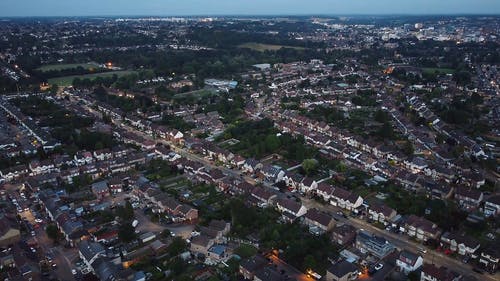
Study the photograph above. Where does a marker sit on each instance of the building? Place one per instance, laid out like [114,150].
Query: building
[432,273]
[342,271]
[318,222]
[490,258]
[378,246]
[468,198]
[291,207]
[90,251]
[408,261]
[250,266]
[381,213]
[343,234]
[461,244]
[420,228]
[100,189]
[492,206]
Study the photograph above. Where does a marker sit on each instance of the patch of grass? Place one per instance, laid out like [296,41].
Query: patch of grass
[267,47]
[52,67]
[68,80]
[432,70]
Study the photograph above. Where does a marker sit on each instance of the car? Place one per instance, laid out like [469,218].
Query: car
[33,233]
[379,266]
[422,250]
[73,271]
[33,249]
[38,220]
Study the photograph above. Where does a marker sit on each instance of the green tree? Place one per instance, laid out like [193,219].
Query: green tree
[408,148]
[52,232]
[272,143]
[177,247]
[125,212]
[309,165]
[126,232]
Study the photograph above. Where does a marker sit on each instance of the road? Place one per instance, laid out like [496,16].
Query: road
[400,241]
[63,257]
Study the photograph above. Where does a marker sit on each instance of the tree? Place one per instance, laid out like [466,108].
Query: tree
[177,247]
[309,165]
[126,232]
[272,142]
[413,276]
[52,232]
[408,148]
[126,212]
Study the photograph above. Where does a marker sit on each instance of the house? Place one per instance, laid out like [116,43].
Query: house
[308,185]
[345,199]
[272,173]
[12,173]
[90,251]
[432,273]
[41,167]
[100,189]
[268,274]
[250,266]
[291,207]
[251,166]
[462,244]
[408,261]
[82,158]
[343,234]
[242,188]
[263,197]
[468,198]
[342,271]
[103,154]
[490,257]
[492,206]
[325,191]
[201,244]
[381,213]
[420,228]
[318,222]
[378,246]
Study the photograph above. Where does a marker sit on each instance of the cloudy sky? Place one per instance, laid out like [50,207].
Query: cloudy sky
[243,7]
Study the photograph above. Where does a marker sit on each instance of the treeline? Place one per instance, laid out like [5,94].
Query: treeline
[68,72]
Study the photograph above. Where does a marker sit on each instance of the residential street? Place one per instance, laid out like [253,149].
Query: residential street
[399,240]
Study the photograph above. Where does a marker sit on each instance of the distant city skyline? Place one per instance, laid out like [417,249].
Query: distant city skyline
[26,8]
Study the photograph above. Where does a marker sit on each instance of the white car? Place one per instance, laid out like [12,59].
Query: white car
[379,266]
[73,271]
[33,250]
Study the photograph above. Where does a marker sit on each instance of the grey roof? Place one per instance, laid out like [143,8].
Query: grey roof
[342,268]
[90,249]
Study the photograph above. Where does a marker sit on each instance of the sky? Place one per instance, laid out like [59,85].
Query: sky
[16,8]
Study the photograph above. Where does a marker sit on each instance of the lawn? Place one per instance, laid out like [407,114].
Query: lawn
[68,80]
[267,47]
[52,67]
[432,70]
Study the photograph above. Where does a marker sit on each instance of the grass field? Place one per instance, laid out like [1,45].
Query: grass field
[432,70]
[267,47]
[51,67]
[68,80]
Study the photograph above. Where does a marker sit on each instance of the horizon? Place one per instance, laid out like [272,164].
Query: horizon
[220,8]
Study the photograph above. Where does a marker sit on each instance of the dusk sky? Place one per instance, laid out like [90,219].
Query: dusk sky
[243,7]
